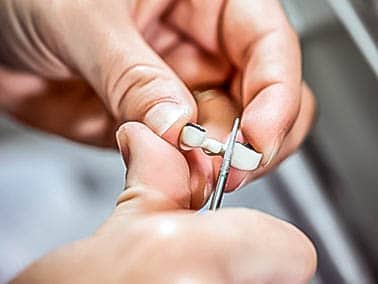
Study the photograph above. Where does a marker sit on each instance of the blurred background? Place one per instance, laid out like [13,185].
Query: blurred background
[53,191]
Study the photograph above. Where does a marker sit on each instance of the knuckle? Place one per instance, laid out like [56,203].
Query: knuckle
[138,88]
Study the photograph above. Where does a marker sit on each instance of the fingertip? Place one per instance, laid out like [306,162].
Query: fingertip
[172,134]
[154,168]
[268,147]
[136,138]
[267,119]
[166,116]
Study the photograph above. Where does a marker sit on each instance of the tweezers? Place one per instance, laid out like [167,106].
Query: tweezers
[216,200]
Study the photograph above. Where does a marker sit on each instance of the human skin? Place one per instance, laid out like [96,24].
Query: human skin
[81,68]
[153,236]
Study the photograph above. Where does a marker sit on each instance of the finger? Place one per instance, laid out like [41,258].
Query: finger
[296,135]
[201,177]
[243,246]
[263,249]
[302,125]
[157,173]
[268,55]
[199,21]
[132,80]
[161,37]
[67,108]
[196,67]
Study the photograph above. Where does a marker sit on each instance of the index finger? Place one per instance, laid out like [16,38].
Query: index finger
[261,43]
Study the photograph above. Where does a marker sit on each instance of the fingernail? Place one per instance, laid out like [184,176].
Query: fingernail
[162,116]
[273,150]
[121,138]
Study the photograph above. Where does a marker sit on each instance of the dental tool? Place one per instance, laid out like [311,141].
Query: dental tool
[216,200]
[235,154]
[195,136]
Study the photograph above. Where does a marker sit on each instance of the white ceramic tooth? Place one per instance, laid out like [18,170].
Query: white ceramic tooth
[213,146]
[192,136]
[244,158]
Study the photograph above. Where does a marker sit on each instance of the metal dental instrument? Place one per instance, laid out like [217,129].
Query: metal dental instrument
[216,200]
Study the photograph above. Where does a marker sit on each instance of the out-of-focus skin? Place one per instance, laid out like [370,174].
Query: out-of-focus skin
[81,68]
[153,236]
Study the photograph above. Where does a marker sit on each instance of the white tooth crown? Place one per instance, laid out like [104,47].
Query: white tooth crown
[194,136]
[243,158]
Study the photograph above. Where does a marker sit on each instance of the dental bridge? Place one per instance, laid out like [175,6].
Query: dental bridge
[239,156]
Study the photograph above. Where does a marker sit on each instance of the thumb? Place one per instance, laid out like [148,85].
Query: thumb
[133,81]
[157,173]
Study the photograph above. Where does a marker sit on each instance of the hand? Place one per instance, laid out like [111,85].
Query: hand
[137,55]
[154,237]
